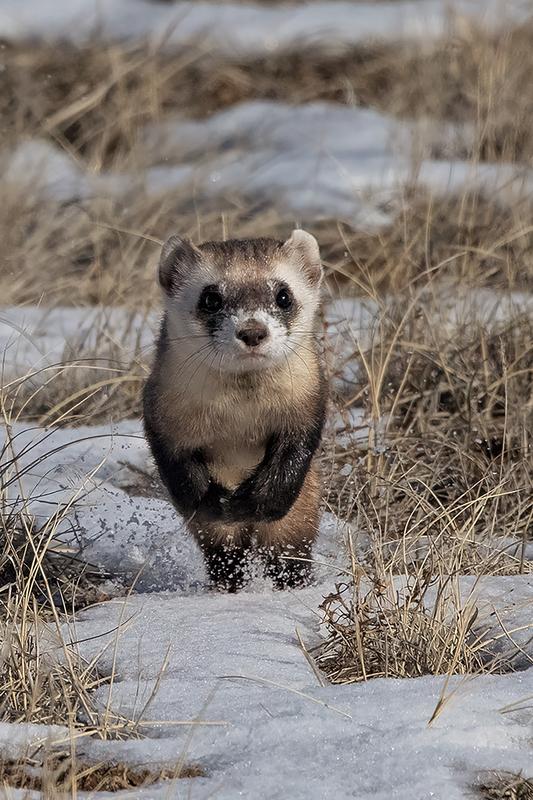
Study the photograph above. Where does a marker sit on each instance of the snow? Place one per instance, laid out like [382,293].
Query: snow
[183,654]
[246,29]
[131,535]
[26,734]
[236,660]
[316,160]
[36,339]
[276,744]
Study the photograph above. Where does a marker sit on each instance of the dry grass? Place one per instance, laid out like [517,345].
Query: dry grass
[472,77]
[441,487]
[93,101]
[466,240]
[41,679]
[373,629]
[105,252]
[506,786]
[64,774]
[98,378]
[446,474]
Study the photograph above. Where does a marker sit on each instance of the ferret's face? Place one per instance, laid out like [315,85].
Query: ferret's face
[240,308]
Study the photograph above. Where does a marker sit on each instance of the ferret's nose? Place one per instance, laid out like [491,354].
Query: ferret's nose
[252,333]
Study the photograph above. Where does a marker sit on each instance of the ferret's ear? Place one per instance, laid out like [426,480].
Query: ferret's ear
[302,250]
[178,258]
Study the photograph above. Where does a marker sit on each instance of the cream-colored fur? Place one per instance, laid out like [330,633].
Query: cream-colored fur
[229,415]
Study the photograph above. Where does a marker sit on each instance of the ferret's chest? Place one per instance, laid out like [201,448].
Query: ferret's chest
[237,435]
[230,464]
[230,424]
[231,435]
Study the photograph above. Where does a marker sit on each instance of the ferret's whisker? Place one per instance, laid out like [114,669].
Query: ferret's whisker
[290,375]
[193,355]
[198,368]
[297,354]
[187,338]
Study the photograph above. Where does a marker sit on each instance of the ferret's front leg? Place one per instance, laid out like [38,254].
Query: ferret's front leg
[226,550]
[286,544]
[187,479]
[272,489]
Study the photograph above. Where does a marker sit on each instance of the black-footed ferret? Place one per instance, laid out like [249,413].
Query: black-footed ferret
[235,404]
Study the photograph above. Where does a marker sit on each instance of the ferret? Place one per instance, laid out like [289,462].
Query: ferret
[234,406]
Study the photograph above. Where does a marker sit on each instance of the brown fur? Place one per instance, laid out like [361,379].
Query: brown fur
[286,544]
[230,416]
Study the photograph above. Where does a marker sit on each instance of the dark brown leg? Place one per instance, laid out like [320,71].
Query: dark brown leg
[286,545]
[226,551]
[289,567]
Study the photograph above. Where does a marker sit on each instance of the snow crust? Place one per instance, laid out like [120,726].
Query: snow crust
[237,660]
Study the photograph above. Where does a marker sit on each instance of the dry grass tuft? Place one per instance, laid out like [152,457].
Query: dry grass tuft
[63,774]
[37,560]
[75,254]
[43,581]
[374,629]
[506,786]
[41,679]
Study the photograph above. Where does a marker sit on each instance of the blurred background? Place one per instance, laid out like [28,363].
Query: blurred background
[400,133]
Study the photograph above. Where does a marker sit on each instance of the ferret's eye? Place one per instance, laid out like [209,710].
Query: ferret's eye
[284,299]
[210,300]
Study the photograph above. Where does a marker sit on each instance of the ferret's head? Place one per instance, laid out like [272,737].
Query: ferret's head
[245,305]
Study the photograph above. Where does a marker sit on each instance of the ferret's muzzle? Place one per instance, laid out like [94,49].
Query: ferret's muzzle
[252,333]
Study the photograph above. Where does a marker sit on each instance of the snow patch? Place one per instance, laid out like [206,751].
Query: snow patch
[317,160]
[243,29]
